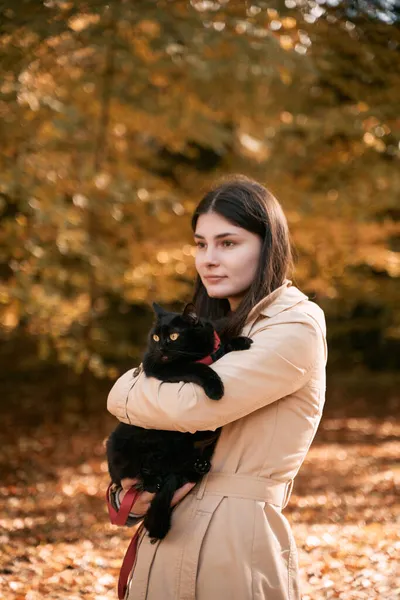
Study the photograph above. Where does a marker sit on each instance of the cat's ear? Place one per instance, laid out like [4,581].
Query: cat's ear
[190,312]
[159,309]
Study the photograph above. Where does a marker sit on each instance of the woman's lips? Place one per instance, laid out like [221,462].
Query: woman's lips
[213,279]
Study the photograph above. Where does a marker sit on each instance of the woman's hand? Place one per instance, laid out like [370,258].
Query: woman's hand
[142,503]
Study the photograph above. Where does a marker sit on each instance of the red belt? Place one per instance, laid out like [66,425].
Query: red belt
[119,517]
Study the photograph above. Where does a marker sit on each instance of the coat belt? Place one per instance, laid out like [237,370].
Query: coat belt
[263,489]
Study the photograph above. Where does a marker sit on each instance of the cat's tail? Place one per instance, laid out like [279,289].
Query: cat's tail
[158,518]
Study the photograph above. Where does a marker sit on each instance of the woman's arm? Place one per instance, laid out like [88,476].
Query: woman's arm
[279,362]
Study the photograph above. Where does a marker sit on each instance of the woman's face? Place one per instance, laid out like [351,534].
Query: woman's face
[233,257]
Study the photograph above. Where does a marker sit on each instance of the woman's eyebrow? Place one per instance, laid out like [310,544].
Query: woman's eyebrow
[220,235]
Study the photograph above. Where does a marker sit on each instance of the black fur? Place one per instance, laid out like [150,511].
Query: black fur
[166,460]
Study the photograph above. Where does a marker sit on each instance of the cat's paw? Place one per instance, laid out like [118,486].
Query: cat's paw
[201,465]
[214,388]
[240,343]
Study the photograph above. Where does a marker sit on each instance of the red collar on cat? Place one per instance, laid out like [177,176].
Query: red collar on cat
[208,360]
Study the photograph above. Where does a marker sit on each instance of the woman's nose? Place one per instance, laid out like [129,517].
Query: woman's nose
[210,256]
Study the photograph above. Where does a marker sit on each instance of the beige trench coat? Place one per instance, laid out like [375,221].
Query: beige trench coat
[229,539]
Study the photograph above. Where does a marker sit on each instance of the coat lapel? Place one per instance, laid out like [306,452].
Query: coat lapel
[284,297]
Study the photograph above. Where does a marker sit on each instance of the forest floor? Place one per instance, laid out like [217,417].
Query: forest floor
[56,541]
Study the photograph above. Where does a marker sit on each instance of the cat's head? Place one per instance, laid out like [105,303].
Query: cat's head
[180,336]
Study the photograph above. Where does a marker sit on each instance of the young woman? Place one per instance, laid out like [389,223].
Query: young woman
[229,538]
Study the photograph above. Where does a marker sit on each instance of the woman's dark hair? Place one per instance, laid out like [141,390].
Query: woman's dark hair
[247,204]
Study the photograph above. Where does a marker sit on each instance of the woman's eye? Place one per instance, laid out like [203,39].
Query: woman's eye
[174,336]
[156,338]
[201,244]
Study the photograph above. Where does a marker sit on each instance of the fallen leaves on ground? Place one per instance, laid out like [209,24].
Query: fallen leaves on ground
[344,511]
[56,541]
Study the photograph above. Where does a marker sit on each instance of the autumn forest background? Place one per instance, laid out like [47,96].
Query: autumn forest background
[115,118]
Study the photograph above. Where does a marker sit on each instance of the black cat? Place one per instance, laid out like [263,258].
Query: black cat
[166,460]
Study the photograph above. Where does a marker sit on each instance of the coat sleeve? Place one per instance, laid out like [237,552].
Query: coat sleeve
[279,362]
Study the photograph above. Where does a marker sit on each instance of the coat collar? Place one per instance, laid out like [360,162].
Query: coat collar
[285,296]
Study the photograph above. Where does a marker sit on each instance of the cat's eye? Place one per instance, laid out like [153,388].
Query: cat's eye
[156,338]
[174,336]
